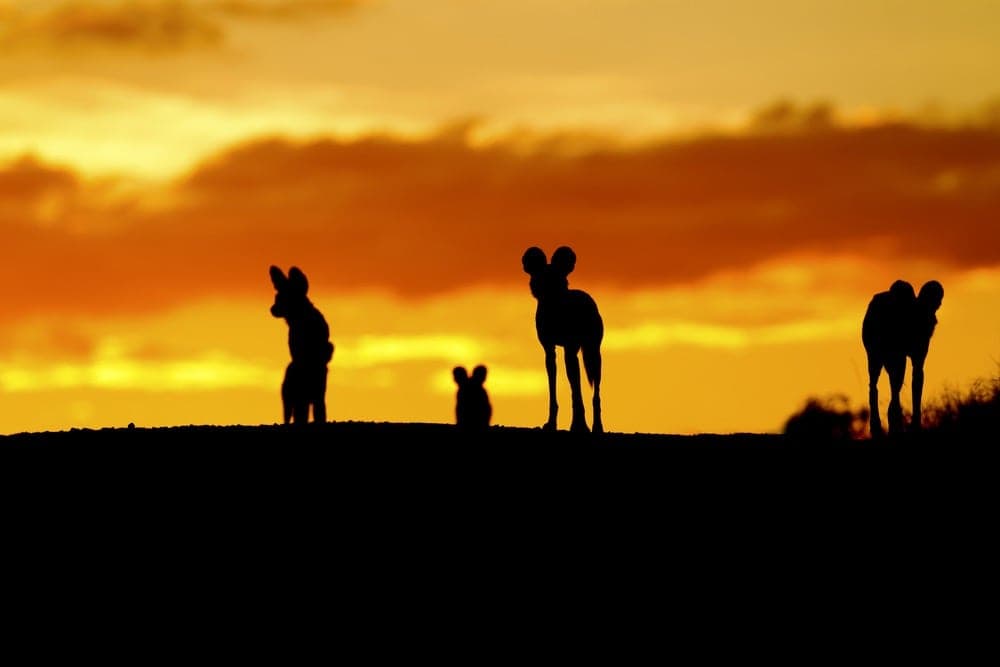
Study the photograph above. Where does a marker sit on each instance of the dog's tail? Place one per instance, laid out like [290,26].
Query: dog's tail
[592,363]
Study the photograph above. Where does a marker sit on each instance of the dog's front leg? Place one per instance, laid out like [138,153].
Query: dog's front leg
[550,369]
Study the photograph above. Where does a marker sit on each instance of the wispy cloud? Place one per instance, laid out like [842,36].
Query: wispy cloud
[113,371]
[284,9]
[152,25]
[681,333]
[501,382]
[370,351]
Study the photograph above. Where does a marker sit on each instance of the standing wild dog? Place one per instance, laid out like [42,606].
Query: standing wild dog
[898,325]
[566,318]
[472,404]
[309,343]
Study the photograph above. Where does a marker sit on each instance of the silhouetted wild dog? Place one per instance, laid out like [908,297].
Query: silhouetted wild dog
[309,343]
[899,324]
[472,404]
[566,318]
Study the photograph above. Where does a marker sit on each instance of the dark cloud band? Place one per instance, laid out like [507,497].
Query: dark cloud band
[425,217]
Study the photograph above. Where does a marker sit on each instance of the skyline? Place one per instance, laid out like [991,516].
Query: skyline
[736,185]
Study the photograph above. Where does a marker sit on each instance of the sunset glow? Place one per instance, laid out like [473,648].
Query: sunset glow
[737,180]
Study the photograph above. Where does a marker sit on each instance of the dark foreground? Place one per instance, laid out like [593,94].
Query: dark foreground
[364,462]
[390,518]
[390,486]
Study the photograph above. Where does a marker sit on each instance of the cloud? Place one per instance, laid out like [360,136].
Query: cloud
[120,373]
[26,182]
[152,25]
[420,218]
[676,332]
[284,9]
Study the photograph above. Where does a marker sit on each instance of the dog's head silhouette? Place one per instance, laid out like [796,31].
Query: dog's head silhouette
[548,279]
[472,404]
[309,344]
[930,297]
[290,298]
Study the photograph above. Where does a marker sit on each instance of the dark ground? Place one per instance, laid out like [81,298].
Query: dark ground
[386,525]
[364,462]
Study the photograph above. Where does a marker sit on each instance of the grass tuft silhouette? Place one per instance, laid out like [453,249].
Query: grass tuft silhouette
[975,411]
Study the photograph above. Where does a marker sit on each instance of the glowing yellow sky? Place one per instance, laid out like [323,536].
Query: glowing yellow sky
[157,156]
[152,86]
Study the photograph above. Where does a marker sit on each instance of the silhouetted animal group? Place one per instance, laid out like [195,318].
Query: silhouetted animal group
[898,324]
[563,318]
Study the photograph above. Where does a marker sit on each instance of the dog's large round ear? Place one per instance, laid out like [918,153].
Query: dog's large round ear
[297,280]
[479,374]
[932,293]
[533,260]
[460,374]
[564,260]
[278,278]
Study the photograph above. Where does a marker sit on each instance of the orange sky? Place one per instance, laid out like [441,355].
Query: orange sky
[156,157]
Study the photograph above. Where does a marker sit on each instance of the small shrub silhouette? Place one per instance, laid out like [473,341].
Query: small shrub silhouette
[472,404]
[827,419]
[976,411]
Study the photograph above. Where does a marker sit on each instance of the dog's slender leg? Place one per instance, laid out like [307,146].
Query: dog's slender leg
[897,373]
[300,411]
[286,395]
[874,420]
[579,422]
[550,369]
[592,364]
[319,406]
[598,424]
[918,391]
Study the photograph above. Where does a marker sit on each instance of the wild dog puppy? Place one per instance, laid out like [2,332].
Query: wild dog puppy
[472,404]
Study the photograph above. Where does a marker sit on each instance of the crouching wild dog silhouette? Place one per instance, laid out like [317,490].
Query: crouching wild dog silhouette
[569,319]
[472,404]
[309,343]
[898,325]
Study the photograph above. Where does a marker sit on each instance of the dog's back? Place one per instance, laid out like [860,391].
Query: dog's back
[888,322]
[309,337]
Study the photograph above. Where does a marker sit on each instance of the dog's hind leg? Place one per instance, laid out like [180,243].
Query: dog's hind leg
[286,395]
[896,367]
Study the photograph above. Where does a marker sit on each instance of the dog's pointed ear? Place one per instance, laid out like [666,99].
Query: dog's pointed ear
[533,260]
[460,374]
[564,260]
[278,278]
[297,280]
[479,374]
